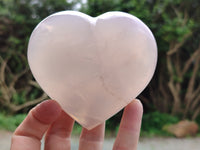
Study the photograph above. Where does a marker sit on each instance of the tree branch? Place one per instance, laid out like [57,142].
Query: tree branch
[190,89]
[16,77]
[195,102]
[178,45]
[2,69]
[196,113]
[189,62]
[196,92]
[176,106]
[192,79]
[3,86]
[35,84]
[16,108]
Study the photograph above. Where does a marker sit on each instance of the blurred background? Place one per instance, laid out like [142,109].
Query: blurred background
[171,98]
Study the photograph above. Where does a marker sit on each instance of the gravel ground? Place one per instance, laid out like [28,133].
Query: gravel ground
[144,144]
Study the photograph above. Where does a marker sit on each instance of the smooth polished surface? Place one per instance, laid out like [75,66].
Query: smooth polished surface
[92,66]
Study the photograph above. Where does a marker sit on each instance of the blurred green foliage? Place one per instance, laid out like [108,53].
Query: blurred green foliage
[77,129]
[10,123]
[153,123]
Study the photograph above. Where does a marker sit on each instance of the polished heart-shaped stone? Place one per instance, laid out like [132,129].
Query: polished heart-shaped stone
[92,66]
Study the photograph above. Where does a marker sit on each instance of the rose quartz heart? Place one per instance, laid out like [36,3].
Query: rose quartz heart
[92,66]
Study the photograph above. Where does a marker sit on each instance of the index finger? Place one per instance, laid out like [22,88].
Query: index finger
[30,132]
[129,130]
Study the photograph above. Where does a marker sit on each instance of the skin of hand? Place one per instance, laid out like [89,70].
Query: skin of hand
[48,117]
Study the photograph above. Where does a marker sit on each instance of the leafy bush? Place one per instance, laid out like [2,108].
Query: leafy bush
[10,123]
[76,129]
[152,123]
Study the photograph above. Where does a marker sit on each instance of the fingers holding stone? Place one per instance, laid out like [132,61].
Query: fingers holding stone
[58,135]
[32,129]
[129,130]
[92,139]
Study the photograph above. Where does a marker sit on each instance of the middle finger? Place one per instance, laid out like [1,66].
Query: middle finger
[58,135]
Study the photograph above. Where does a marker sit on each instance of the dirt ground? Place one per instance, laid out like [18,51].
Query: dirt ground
[144,143]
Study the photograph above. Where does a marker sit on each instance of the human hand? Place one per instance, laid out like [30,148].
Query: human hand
[48,117]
